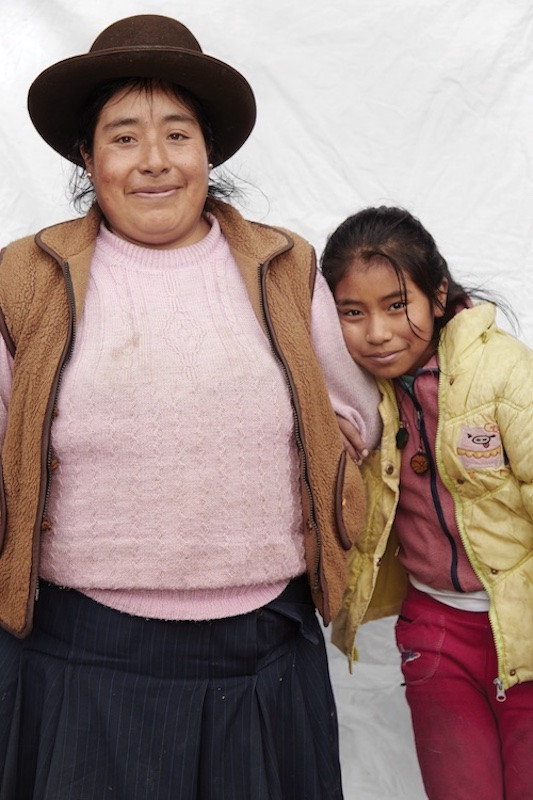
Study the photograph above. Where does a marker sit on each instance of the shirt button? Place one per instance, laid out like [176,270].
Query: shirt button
[389,469]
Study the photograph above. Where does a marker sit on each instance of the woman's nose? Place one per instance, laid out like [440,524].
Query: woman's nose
[154,158]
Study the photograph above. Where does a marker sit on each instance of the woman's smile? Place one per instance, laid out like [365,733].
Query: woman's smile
[155,191]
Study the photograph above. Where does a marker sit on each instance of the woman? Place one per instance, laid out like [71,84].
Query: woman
[172,465]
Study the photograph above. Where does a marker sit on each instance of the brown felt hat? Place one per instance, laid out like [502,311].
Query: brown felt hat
[144,46]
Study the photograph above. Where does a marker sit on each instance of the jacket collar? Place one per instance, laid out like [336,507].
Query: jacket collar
[468,327]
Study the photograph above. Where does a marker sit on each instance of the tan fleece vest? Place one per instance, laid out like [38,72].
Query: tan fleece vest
[42,290]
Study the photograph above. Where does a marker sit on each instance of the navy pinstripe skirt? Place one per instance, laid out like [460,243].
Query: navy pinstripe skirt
[98,704]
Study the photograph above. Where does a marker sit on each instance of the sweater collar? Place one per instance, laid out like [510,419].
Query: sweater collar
[257,242]
[121,251]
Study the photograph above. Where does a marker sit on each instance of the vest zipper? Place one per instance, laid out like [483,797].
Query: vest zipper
[315,582]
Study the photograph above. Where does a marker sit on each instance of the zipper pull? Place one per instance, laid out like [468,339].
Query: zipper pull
[500,691]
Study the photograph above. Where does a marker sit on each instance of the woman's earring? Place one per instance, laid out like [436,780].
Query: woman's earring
[90,176]
[210,166]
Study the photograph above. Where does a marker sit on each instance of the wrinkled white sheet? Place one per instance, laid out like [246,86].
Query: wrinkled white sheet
[418,103]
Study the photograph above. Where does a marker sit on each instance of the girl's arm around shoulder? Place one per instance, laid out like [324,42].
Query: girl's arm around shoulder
[353,392]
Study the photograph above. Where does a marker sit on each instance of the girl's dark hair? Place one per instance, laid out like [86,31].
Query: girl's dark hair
[396,235]
[81,189]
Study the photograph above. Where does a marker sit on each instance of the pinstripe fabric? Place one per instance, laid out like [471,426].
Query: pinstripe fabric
[109,705]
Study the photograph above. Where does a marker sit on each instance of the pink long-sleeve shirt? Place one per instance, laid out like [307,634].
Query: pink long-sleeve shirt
[177,492]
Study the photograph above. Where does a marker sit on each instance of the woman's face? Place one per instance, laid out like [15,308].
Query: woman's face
[150,169]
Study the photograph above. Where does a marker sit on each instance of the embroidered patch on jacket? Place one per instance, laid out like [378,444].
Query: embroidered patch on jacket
[480,448]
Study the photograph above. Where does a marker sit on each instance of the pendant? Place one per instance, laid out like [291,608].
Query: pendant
[402,437]
[419,463]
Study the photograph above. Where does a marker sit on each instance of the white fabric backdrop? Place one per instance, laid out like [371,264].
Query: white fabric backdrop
[420,103]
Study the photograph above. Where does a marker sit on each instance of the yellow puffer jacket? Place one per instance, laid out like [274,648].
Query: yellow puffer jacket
[486,384]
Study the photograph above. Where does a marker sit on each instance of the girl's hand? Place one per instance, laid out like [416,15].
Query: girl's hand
[353,441]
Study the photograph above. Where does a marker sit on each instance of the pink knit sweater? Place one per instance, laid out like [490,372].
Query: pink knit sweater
[176,493]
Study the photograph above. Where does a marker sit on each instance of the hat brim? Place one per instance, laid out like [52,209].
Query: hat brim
[58,95]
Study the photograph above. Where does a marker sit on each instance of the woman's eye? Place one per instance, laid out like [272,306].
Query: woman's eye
[177,137]
[398,306]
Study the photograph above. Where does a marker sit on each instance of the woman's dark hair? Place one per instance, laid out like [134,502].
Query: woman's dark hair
[81,189]
[397,236]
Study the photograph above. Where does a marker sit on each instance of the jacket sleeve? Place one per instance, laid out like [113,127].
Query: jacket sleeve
[515,420]
[353,392]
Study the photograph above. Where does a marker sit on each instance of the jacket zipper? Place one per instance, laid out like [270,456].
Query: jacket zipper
[315,585]
[500,682]
[435,493]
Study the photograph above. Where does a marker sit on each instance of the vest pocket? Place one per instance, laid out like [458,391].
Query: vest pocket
[349,501]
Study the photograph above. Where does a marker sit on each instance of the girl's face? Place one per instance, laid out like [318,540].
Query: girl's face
[384,334]
[150,169]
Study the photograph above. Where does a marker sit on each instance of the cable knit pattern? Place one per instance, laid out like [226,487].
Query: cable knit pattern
[43,286]
[185,503]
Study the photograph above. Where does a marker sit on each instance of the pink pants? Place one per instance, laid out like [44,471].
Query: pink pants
[470,745]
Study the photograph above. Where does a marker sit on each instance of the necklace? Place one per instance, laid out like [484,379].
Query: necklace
[402,436]
[419,462]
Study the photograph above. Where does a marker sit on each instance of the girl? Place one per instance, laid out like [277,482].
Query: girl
[454,474]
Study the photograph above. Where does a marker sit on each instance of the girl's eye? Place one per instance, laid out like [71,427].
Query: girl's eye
[398,306]
[352,312]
